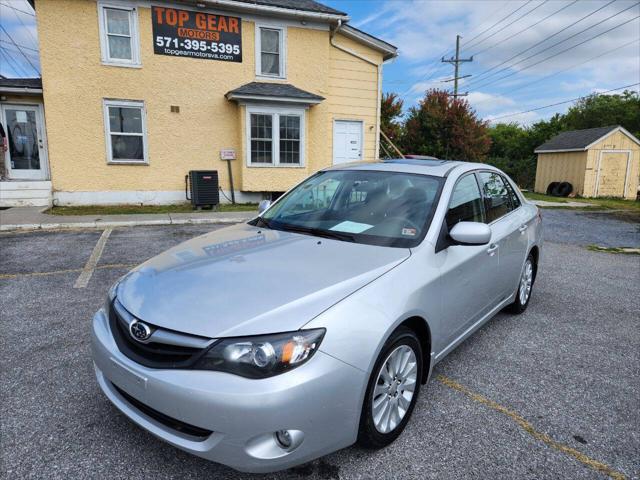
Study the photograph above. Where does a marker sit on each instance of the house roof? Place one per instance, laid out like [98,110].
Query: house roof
[579,140]
[306,5]
[275,92]
[354,33]
[20,85]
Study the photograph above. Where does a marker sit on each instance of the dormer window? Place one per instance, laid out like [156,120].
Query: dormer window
[270,51]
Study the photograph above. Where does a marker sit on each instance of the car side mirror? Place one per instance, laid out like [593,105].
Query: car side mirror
[470,233]
[263,205]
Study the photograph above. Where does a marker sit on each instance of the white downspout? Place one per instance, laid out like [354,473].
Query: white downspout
[378,82]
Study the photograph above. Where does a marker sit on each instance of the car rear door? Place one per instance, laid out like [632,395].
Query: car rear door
[508,225]
[467,272]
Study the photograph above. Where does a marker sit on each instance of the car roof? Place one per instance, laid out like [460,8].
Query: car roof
[434,167]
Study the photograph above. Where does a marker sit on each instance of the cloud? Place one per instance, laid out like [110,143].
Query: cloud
[483,101]
[425,31]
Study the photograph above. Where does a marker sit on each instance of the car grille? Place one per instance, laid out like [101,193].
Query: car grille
[165,420]
[183,351]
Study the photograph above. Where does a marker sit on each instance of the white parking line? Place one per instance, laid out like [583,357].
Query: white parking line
[87,271]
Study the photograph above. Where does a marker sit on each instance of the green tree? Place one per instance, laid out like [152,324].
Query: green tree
[445,127]
[602,110]
[390,120]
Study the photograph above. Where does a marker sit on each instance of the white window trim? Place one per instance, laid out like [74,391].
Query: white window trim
[283,50]
[275,141]
[135,61]
[107,131]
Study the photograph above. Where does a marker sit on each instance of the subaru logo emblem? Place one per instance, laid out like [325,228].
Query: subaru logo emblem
[139,331]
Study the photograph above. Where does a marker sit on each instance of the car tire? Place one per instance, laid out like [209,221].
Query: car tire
[527,279]
[377,430]
[552,186]
[564,189]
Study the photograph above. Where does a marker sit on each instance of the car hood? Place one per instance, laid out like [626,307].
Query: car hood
[243,280]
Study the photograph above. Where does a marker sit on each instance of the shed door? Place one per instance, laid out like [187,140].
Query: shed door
[613,174]
[347,141]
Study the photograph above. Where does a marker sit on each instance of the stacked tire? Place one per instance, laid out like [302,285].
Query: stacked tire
[559,189]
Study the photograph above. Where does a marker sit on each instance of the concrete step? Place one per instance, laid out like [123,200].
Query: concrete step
[36,193]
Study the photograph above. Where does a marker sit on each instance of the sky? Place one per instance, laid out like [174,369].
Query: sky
[526,53]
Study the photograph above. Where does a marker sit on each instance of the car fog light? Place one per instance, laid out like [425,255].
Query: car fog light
[284,439]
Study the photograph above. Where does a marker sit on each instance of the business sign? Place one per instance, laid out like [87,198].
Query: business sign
[184,33]
[227,154]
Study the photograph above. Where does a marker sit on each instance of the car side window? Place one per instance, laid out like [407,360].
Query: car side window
[515,200]
[466,202]
[496,195]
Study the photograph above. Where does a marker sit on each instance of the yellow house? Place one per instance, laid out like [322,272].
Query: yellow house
[139,93]
[597,162]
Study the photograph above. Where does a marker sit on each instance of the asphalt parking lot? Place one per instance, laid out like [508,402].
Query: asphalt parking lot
[554,393]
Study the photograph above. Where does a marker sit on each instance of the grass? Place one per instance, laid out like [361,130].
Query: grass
[622,250]
[598,203]
[145,209]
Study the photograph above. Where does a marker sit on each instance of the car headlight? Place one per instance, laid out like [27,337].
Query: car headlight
[111,296]
[262,356]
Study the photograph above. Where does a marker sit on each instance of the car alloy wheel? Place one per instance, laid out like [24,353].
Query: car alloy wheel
[526,282]
[394,389]
[525,285]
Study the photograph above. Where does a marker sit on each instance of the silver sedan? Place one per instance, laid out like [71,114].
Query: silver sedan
[268,344]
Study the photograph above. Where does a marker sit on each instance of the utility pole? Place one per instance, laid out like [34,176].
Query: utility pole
[456,63]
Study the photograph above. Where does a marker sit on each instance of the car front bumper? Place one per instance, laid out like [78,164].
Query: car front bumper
[322,399]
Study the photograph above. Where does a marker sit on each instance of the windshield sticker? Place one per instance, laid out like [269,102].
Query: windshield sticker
[409,232]
[351,227]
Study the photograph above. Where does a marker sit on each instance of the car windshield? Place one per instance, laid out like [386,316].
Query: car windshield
[373,207]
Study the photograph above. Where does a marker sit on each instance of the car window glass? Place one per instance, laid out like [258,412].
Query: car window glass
[314,197]
[513,196]
[466,202]
[379,208]
[496,196]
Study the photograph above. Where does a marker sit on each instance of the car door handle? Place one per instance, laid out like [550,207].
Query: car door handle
[493,248]
[523,228]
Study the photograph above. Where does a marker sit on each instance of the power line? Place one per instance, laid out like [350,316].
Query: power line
[16,45]
[17,9]
[21,45]
[32,55]
[556,54]
[537,81]
[525,29]
[565,101]
[480,75]
[26,29]
[13,63]
[498,22]
[507,26]
[436,62]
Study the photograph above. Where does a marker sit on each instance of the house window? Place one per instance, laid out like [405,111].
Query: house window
[275,137]
[261,138]
[125,131]
[119,35]
[290,139]
[270,51]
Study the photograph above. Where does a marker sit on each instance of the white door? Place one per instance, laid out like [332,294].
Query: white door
[347,141]
[26,157]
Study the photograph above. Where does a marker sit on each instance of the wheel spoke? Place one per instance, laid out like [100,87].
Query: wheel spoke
[394,389]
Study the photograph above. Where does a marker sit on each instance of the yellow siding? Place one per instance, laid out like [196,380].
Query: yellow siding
[76,82]
[353,91]
[561,167]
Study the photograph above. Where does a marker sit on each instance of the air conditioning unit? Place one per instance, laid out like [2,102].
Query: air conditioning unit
[203,186]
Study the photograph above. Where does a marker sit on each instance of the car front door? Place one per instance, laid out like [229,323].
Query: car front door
[505,217]
[467,272]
